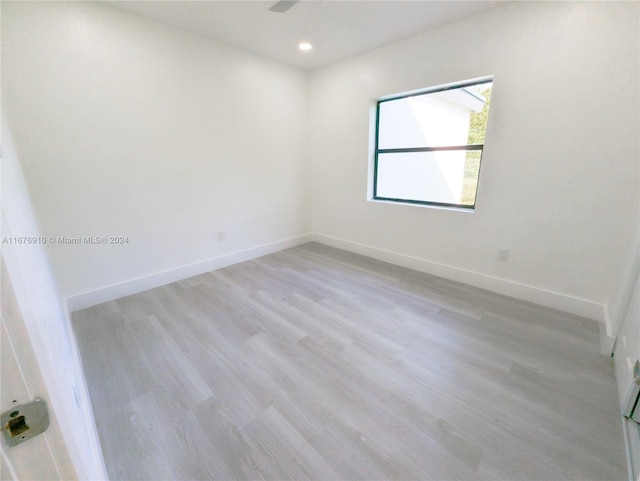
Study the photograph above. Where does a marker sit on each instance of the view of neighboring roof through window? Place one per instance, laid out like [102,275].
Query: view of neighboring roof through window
[429,145]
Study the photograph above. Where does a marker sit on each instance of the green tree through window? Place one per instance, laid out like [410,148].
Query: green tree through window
[477,129]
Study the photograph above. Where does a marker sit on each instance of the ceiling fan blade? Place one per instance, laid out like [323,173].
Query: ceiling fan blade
[282,6]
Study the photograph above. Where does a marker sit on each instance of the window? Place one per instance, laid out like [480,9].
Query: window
[429,145]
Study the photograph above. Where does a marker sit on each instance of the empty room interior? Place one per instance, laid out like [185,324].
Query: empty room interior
[320,240]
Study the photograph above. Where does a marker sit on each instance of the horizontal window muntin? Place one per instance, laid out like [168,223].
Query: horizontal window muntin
[431,149]
[432,121]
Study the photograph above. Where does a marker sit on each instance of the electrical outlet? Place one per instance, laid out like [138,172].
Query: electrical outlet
[503,254]
[220,235]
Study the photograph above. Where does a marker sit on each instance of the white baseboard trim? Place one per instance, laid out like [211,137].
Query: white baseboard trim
[133,286]
[554,300]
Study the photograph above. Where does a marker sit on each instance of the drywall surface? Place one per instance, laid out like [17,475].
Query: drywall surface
[152,138]
[39,312]
[559,176]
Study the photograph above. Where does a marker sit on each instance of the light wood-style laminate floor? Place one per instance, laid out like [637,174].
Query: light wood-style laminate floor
[314,363]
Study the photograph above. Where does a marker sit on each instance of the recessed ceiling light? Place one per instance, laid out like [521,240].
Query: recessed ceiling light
[305,46]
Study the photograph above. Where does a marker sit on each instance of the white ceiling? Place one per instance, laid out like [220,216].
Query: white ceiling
[337,29]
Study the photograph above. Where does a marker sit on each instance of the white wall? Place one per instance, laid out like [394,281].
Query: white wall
[559,178]
[127,127]
[45,321]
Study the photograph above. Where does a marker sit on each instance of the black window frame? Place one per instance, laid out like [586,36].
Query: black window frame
[431,90]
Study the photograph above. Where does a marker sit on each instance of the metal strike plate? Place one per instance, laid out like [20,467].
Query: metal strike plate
[24,421]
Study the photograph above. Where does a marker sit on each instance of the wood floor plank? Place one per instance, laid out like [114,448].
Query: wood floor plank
[316,363]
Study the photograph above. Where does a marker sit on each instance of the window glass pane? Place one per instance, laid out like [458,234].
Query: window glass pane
[449,117]
[445,177]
